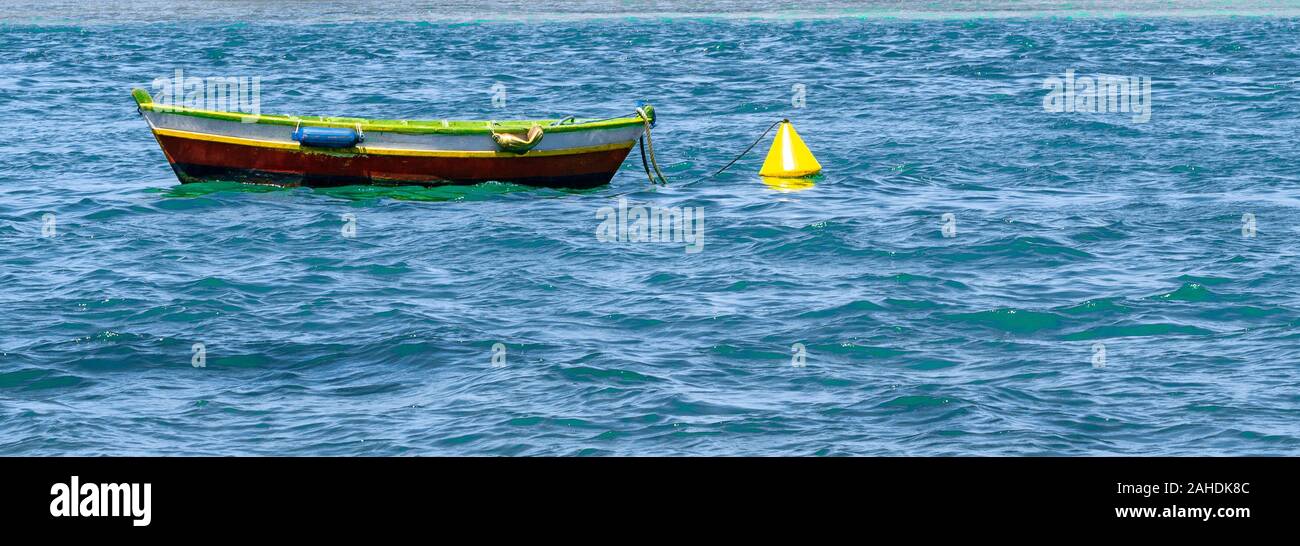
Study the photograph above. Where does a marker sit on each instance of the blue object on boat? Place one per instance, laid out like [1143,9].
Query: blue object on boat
[327,137]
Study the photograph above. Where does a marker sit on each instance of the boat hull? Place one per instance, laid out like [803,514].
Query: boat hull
[198,160]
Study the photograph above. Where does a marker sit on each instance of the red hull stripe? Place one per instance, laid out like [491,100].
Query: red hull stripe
[200,159]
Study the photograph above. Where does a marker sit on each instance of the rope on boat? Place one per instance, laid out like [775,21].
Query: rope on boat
[646,141]
[645,163]
[140,111]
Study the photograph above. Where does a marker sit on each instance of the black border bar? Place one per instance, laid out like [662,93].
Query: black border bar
[311,496]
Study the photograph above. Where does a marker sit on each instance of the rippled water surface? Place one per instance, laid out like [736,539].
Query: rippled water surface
[1075,234]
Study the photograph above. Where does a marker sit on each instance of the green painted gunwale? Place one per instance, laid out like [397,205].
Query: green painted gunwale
[442,127]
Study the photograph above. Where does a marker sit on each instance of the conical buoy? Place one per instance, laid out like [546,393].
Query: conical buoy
[789,157]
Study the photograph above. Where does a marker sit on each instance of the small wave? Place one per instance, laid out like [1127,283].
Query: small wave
[854,308]
[915,402]
[1192,291]
[1016,321]
[32,379]
[1137,330]
[590,374]
[1101,306]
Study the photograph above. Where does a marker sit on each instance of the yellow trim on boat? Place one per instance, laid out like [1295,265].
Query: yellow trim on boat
[367,150]
[457,153]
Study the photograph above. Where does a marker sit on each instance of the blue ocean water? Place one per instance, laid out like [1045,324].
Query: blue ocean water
[1077,236]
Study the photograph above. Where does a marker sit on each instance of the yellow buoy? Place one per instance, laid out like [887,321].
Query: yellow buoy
[789,157]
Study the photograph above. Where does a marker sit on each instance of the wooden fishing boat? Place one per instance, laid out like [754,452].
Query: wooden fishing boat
[330,151]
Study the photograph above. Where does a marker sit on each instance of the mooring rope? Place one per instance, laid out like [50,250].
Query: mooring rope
[742,154]
[645,163]
[646,141]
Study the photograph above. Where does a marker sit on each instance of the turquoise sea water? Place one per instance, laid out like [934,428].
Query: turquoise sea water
[1076,233]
